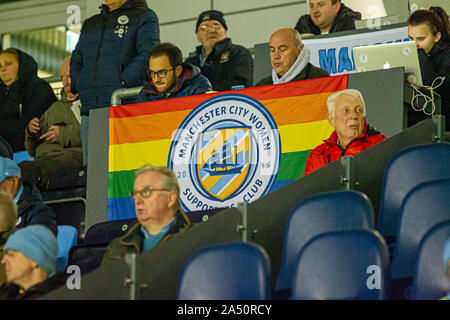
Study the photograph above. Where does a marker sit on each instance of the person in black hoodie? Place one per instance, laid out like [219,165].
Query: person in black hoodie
[431,31]
[23,96]
[169,77]
[112,53]
[327,16]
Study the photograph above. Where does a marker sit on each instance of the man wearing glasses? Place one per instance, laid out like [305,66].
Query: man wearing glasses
[225,64]
[169,77]
[156,197]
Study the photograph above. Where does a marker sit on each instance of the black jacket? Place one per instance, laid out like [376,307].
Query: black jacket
[345,20]
[22,101]
[228,65]
[309,72]
[13,292]
[33,210]
[437,64]
[113,53]
[189,83]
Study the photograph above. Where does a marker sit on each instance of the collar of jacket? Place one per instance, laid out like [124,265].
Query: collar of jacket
[29,192]
[219,47]
[183,80]
[334,137]
[135,237]
[438,48]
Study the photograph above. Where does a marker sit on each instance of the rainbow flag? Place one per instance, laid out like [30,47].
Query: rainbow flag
[143,133]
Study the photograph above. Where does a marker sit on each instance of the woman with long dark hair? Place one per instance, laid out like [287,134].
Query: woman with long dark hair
[431,31]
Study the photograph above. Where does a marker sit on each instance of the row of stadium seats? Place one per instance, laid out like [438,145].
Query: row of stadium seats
[414,201]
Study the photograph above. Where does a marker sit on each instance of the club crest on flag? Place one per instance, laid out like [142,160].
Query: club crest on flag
[223,160]
[226,151]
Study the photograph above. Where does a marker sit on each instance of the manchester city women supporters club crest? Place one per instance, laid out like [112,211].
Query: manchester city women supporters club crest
[226,151]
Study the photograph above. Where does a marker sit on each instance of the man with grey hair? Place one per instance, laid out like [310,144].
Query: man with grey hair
[8,216]
[290,59]
[156,195]
[352,135]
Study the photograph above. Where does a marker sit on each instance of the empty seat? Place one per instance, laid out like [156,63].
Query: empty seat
[70,212]
[67,238]
[344,265]
[233,271]
[425,206]
[431,281]
[406,170]
[104,232]
[87,257]
[325,212]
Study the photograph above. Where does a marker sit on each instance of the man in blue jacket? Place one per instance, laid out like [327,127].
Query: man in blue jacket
[112,53]
[169,77]
[31,207]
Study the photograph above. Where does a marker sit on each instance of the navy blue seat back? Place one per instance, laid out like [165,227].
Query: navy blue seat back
[406,170]
[233,271]
[105,232]
[325,212]
[425,206]
[343,265]
[431,281]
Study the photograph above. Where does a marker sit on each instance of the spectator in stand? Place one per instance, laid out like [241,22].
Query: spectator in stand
[290,59]
[225,64]
[54,139]
[30,263]
[23,95]
[31,208]
[327,16]
[169,77]
[156,197]
[8,216]
[112,53]
[352,135]
[431,31]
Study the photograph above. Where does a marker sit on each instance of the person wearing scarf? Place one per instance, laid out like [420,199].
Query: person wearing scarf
[290,59]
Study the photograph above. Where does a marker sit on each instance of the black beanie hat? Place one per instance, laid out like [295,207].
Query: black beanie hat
[211,15]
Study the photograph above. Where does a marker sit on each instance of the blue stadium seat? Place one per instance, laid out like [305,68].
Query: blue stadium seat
[67,238]
[406,170]
[233,271]
[425,206]
[325,212]
[430,279]
[105,232]
[343,265]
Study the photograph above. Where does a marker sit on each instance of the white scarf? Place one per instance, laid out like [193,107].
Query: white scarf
[296,68]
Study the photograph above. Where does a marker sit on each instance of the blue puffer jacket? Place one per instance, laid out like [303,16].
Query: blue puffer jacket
[189,83]
[113,52]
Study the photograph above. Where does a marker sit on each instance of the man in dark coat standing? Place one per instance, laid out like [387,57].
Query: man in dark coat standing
[169,77]
[290,59]
[225,64]
[112,53]
[327,16]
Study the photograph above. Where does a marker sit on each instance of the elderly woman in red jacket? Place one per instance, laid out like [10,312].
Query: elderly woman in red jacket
[352,134]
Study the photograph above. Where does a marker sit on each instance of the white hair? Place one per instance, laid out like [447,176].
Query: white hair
[351,92]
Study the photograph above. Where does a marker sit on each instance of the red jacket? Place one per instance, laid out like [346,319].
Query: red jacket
[330,151]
